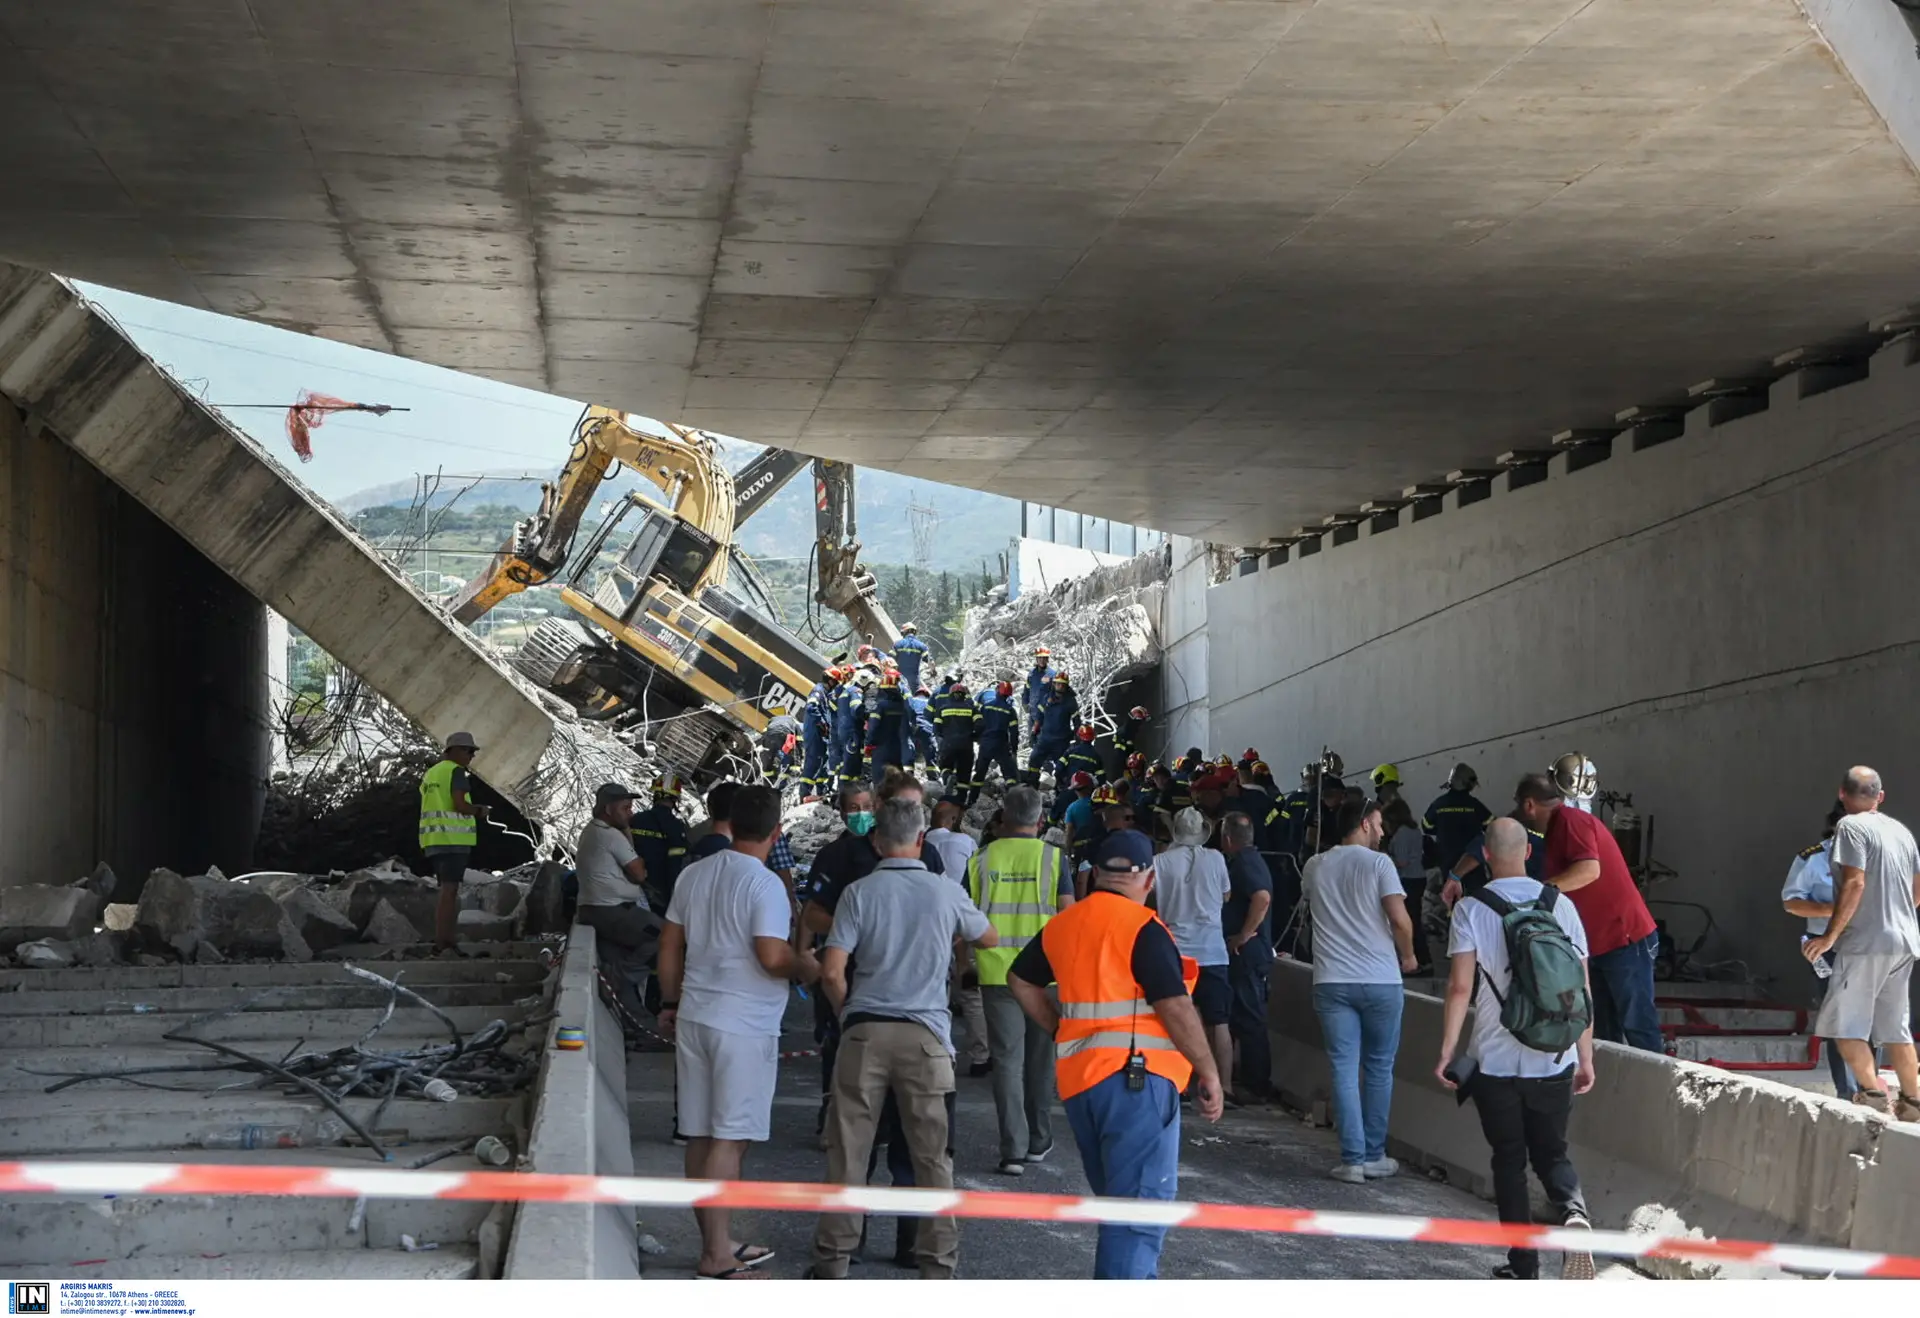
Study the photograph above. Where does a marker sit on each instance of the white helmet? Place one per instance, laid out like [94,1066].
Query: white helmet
[1575,775]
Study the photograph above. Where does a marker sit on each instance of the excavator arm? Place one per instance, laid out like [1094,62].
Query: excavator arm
[684,464]
[845,586]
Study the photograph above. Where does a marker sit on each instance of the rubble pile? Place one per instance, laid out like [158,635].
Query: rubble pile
[1103,628]
[368,914]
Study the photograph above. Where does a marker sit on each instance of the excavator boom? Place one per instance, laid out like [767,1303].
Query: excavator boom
[683,463]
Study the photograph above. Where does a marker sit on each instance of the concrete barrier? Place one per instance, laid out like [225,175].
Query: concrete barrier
[580,1126]
[1728,1155]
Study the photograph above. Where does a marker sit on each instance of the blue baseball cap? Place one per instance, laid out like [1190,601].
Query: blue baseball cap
[1123,851]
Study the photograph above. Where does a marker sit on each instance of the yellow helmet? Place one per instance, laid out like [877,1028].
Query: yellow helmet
[1384,774]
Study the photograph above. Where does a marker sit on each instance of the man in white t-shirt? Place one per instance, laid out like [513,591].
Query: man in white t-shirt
[725,965]
[1191,888]
[1523,1096]
[956,848]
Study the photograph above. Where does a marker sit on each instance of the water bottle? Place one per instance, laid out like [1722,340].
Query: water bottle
[1821,966]
[309,1134]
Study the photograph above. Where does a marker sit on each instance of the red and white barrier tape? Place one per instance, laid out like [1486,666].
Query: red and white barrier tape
[139,1178]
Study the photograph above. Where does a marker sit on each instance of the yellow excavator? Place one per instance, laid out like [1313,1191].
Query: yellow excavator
[661,638]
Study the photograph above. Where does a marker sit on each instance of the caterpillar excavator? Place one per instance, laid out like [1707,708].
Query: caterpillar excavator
[673,631]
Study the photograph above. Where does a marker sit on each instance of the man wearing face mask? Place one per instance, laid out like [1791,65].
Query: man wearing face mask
[844,861]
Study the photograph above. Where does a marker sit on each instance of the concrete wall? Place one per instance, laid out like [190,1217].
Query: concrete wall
[1876,48]
[1723,622]
[63,362]
[1042,565]
[1184,633]
[1725,1154]
[579,1127]
[133,681]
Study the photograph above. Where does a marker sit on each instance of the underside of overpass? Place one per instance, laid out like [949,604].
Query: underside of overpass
[1278,274]
[1221,267]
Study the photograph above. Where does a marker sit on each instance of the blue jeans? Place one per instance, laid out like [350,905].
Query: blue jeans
[1623,1009]
[1129,1144]
[1361,1023]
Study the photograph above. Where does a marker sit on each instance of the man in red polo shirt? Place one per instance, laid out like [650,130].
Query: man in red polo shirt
[1584,862]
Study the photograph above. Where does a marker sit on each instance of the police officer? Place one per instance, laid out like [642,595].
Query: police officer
[1079,757]
[954,722]
[1059,715]
[998,731]
[660,839]
[816,735]
[909,654]
[887,722]
[1039,686]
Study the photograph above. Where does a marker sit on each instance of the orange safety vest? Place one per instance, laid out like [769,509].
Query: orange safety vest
[1102,1015]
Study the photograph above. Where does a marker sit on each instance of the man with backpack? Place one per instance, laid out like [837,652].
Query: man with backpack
[1519,957]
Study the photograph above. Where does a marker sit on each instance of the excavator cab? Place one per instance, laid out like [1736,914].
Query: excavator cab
[658,544]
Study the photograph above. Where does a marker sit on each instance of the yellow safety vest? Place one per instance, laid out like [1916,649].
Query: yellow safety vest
[440,824]
[1015,883]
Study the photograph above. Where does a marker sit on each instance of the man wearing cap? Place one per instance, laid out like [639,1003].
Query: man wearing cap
[449,830]
[612,901]
[1126,1041]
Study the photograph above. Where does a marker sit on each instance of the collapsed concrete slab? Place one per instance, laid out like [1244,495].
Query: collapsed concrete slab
[188,915]
[37,911]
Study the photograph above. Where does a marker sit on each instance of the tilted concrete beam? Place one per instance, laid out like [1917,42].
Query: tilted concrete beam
[69,369]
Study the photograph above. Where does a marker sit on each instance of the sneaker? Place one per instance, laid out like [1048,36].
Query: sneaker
[1876,1100]
[1013,1167]
[1576,1265]
[1906,1109]
[1350,1172]
[678,1138]
[1380,1168]
[1040,1156]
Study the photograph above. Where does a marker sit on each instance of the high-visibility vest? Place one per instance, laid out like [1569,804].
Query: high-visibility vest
[440,824]
[1102,1013]
[1016,884]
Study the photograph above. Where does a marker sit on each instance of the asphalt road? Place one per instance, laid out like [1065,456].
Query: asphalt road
[1258,1155]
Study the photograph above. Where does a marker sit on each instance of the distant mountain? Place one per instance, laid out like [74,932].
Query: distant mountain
[973,525]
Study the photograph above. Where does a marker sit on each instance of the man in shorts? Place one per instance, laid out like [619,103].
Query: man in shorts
[449,831]
[1876,869]
[725,966]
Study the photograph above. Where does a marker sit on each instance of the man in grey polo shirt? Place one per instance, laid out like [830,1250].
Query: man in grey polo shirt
[1876,870]
[899,924]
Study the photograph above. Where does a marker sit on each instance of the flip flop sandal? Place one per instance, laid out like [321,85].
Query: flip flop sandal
[731,1274]
[746,1258]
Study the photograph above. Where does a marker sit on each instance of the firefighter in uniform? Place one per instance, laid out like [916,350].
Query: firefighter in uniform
[1080,757]
[1126,740]
[887,725]
[1451,823]
[954,719]
[1126,1041]
[921,745]
[1056,717]
[660,838]
[816,736]
[998,730]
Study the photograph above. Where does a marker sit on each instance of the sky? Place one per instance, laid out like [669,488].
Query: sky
[459,423]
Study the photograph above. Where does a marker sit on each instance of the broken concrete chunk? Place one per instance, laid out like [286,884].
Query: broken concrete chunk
[239,920]
[318,923]
[546,903]
[485,928]
[118,917]
[387,926]
[206,954]
[101,949]
[35,911]
[497,897]
[359,952]
[100,883]
[411,897]
[44,954]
